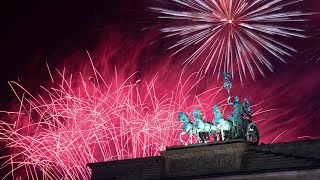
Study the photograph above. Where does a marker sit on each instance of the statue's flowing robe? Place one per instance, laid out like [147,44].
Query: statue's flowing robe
[237,114]
[247,109]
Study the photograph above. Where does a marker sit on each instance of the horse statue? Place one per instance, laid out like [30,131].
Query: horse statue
[187,126]
[201,126]
[209,128]
[224,127]
[198,123]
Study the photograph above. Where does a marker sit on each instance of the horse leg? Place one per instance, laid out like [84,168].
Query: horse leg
[208,136]
[180,136]
[222,135]
[203,137]
[214,133]
[198,136]
[218,134]
[201,140]
[190,136]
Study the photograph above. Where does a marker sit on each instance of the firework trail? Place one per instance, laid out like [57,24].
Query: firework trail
[313,54]
[233,35]
[55,134]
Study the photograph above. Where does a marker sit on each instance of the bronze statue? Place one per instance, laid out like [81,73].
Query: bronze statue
[235,126]
[244,127]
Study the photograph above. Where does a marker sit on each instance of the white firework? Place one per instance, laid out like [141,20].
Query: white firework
[233,35]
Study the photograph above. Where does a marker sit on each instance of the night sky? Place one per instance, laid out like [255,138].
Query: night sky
[35,32]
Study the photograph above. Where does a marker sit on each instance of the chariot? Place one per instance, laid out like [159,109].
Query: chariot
[236,126]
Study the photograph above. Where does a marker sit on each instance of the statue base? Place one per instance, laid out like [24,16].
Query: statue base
[207,158]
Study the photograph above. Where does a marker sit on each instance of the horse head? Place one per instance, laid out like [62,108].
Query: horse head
[197,114]
[216,111]
[183,117]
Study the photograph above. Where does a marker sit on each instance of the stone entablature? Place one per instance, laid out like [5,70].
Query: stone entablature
[204,159]
[221,159]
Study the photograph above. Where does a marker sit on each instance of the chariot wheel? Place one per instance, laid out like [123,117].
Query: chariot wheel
[253,135]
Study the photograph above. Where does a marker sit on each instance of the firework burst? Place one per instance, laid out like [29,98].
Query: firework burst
[233,35]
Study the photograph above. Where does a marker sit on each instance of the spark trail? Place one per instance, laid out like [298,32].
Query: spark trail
[313,53]
[233,35]
[84,118]
[55,134]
